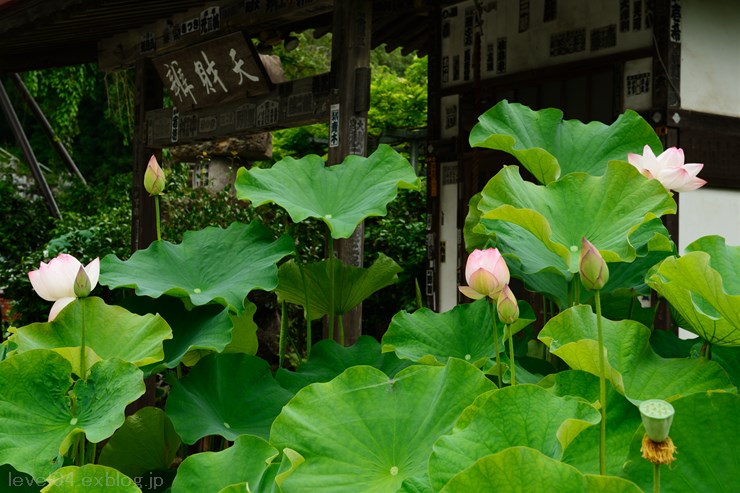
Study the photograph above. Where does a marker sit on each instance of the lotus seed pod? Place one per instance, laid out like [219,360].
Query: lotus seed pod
[657,417]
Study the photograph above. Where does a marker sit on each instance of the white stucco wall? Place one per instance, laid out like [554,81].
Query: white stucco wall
[448,235]
[710,56]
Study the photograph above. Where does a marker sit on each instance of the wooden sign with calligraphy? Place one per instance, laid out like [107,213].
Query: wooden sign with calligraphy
[216,71]
[290,104]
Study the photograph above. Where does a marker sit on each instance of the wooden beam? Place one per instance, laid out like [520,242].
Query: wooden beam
[350,64]
[200,23]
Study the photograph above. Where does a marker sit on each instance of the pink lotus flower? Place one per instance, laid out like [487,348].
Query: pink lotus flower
[486,273]
[668,168]
[55,281]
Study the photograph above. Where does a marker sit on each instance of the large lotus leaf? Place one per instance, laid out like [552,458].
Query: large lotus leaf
[210,265]
[652,243]
[366,432]
[36,410]
[524,469]
[209,472]
[465,332]
[633,367]
[227,395]
[341,196]
[703,287]
[90,478]
[553,219]
[196,331]
[329,358]
[110,331]
[706,432]
[352,285]
[550,147]
[622,419]
[522,415]
[147,441]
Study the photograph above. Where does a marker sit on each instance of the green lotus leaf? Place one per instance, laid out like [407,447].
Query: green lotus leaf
[366,432]
[90,478]
[527,469]
[633,367]
[147,441]
[329,358]
[341,196]
[465,332]
[196,331]
[210,265]
[522,415]
[550,147]
[352,285]
[247,461]
[622,419]
[36,417]
[227,395]
[110,331]
[703,287]
[604,209]
[705,431]
[652,243]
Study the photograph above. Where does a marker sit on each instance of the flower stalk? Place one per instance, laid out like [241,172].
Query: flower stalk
[594,274]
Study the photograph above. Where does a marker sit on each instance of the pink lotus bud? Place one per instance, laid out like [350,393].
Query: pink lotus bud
[668,168]
[57,280]
[508,310]
[154,177]
[594,271]
[486,273]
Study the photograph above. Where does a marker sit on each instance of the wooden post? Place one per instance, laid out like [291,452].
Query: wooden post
[350,67]
[148,97]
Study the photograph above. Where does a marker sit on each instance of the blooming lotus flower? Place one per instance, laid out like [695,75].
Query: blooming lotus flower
[591,266]
[154,177]
[61,281]
[486,273]
[668,168]
[508,310]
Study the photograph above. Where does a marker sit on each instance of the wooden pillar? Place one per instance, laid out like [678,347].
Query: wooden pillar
[350,67]
[148,97]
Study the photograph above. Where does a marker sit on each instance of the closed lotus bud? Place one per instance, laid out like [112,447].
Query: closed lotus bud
[508,310]
[154,177]
[486,273]
[82,286]
[594,271]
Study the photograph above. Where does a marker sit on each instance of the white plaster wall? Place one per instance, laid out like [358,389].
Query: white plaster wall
[710,56]
[448,235]
[706,212]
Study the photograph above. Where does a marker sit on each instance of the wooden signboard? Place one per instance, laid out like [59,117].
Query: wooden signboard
[290,104]
[216,71]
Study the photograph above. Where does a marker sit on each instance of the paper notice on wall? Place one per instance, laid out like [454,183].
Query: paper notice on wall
[638,84]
